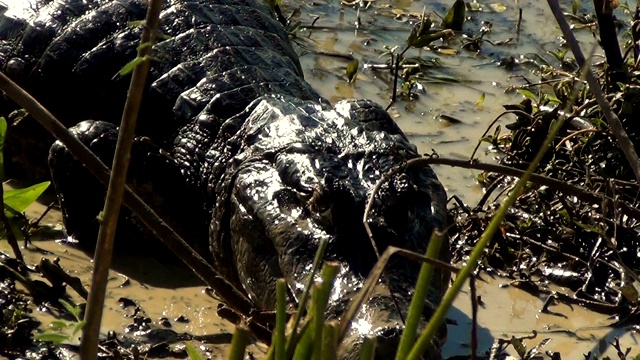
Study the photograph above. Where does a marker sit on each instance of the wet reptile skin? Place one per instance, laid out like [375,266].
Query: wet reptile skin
[236,150]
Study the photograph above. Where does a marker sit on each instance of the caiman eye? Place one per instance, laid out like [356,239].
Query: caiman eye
[287,200]
[320,202]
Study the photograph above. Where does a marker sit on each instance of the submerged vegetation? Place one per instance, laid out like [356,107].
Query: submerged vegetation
[573,224]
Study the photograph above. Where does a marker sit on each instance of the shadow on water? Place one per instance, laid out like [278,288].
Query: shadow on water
[459,335]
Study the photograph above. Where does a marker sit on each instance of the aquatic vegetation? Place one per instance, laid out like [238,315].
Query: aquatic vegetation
[590,248]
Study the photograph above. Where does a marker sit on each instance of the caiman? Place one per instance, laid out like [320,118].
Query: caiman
[234,149]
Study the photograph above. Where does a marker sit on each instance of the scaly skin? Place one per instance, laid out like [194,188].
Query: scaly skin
[239,153]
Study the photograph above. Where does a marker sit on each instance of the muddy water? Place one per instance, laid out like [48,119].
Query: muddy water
[472,74]
[165,291]
[507,312]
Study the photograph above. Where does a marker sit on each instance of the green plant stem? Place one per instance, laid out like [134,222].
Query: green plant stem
[429,333]
[304,347]
[330,340]
[368,349]
[11,236]
[320,297]
[115,190]
[317,327]
[305,296]
[281,319]
[239,343]
[419,296]
[425,339]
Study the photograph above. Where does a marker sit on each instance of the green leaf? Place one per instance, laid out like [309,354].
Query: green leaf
[143,46]
[72,309]
[54,338]
[352,70]
[480,99]
[131,65]
[135,23]
[20,199]
[454,19]
[528,94]
[192,352]
[498,7]
[474,6]
[519,346]
[430,37]
[79,325]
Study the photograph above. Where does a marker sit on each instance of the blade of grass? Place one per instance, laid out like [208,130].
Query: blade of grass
[368,349]
[417,300]
[305,296]
[239,343]
[436,320]
[192,352]
[371,281]
[320,296]
[281,319]
[304,347]
[330,340]
[115,190]
[425,339]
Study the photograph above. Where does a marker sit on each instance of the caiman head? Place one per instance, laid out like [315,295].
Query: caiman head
[300,175]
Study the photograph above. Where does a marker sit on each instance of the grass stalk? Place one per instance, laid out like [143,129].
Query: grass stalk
[426,337]
[115,190]
[438,317]
[417,300]
[239,343]
[304,347]
[305,296]
[368,349]
[330,340]
[320,298]
[279,339]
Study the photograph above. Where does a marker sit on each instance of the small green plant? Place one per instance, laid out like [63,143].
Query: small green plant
[64,331]
[17,200]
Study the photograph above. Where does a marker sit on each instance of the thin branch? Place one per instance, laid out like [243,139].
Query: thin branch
[106,234]
[474,318]
[235,299]
[624,142]
[563,187]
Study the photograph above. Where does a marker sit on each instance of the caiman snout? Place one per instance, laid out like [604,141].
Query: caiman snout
[382,317]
